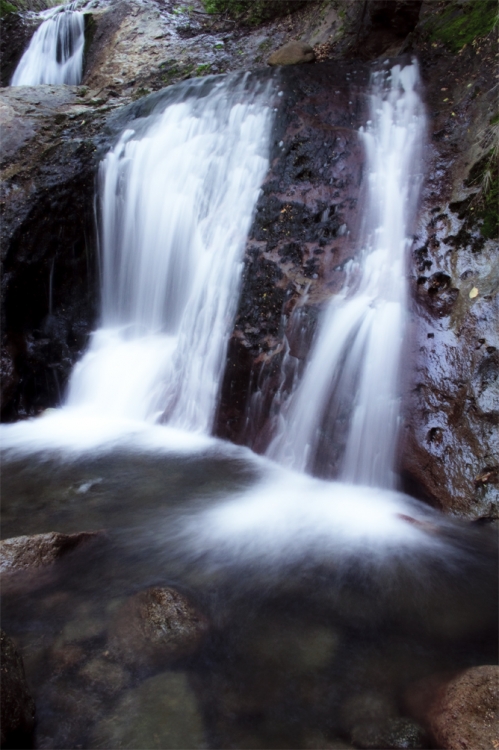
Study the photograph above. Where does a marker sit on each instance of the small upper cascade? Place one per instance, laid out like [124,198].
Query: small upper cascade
[348,399]
[55,52]
[177,197]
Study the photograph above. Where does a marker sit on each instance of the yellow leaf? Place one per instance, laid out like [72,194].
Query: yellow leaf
[474,293]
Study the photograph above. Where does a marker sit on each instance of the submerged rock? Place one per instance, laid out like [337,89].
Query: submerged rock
[23,553]
[161,713]
[292,53]
[17,705]
[155,627]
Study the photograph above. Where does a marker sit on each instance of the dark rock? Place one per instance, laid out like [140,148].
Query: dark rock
[16,32]
[302,236]
[154,628]
[17,705]
[49,280]
[292,53]
[30,552]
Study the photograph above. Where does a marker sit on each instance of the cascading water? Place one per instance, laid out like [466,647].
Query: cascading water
[55,53]
[177,200]
[357,351]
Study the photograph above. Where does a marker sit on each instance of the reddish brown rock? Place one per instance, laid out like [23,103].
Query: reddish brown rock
[155,627]
[461,713]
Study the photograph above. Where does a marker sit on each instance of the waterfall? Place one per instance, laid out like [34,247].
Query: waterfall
[348,394]
[55,53]
[177,196]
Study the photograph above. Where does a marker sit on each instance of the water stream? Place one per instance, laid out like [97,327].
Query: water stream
[325,598]
[55,52]
[355,360]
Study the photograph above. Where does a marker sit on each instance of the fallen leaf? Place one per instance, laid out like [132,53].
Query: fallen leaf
[474,293]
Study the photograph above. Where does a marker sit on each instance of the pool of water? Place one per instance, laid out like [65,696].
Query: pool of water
[327,603]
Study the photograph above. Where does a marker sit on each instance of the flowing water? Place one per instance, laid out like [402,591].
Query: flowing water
[327,600]
[355,359]
[55,52]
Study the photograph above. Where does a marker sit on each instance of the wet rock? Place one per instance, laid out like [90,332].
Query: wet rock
[392,734]
[464,713]
[17,30]
[292,53]
[49,280]
[154,628]
[161,713]
[30,552]
[302,238]
[17,705]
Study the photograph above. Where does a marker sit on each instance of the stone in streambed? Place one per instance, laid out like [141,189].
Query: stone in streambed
[161,713]
[155,627]
[292,53]
[17,705]
[28,552]
[464,713]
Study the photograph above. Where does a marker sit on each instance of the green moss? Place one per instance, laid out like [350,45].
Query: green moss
[253,12]
[203,70]
[462,23]
[6,8]
[494,120]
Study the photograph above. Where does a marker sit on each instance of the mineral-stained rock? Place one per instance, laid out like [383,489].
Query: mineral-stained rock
[17,705]
[155,627]
[23,553]
[292,53]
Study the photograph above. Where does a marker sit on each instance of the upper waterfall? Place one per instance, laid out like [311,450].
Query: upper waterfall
[177,196]
[55,52]
[349,393]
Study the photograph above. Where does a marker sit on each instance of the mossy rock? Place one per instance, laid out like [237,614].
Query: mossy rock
[253,12]
[461,23]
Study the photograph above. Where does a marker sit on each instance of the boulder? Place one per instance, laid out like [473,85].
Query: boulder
[462,711]
[17,705]
[155,627]
[28,552]
[465,715]
[292,53]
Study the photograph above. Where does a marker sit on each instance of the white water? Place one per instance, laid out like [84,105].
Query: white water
[177,200]
[358,348]
[55,52]
[177,197]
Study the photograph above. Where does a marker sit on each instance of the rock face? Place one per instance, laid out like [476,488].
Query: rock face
[292,53]
[302,237]
[29,552]
[17,705]
[49,282]
[154,628]
[464,712]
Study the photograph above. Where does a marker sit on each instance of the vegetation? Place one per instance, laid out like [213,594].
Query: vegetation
[253,12]
[462,23]
[19,6]
[6,8]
